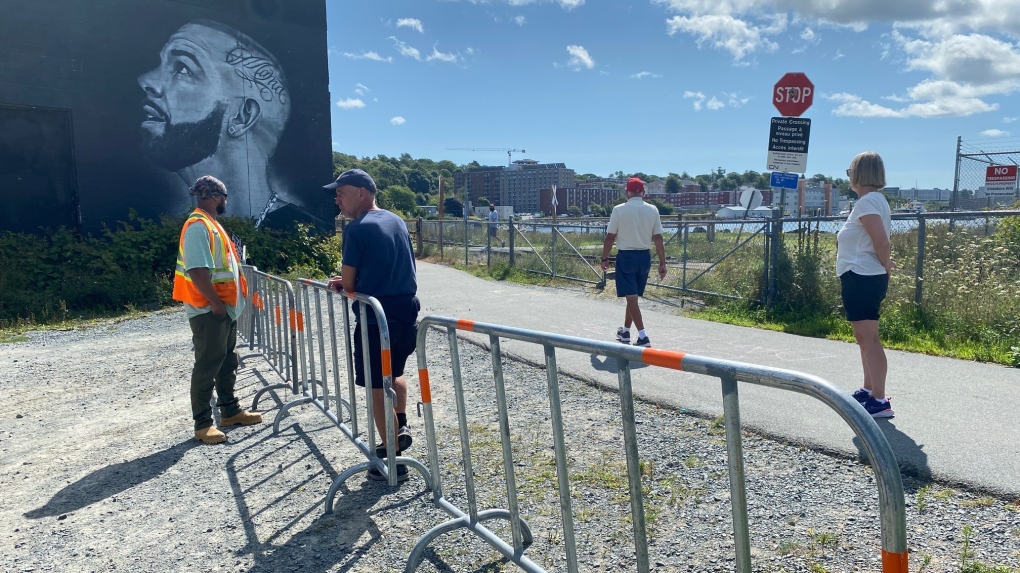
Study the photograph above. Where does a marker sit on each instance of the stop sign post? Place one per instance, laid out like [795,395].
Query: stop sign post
[793,94]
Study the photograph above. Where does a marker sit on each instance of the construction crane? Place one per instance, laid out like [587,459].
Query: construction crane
[507,150]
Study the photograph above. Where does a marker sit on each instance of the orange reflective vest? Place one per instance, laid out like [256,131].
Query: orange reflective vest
[224,258]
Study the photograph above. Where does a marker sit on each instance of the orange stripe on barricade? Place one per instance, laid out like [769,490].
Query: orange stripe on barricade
[894,562]
[278,319]
[295,319]
[256,300]
[664,358]
[387,366]
[468,325]
[350,295]
[423,384]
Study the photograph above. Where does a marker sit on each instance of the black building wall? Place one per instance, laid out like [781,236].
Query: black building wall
[241,94]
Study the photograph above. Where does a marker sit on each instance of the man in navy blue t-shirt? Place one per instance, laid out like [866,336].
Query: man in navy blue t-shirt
[378,260]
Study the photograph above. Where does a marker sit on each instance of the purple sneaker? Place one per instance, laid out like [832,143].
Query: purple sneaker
[878,409]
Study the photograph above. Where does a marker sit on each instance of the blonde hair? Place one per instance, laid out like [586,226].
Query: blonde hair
[867,170]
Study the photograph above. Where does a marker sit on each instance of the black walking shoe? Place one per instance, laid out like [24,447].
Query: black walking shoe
[376,475]
[643,341]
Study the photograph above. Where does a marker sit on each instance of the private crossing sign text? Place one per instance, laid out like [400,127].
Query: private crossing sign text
[1000,180]
[793,94]
[788,144]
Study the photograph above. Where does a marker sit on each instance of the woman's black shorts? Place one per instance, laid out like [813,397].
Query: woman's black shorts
[863,294]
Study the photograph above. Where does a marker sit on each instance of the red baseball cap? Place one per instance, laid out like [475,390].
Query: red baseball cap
[635,185]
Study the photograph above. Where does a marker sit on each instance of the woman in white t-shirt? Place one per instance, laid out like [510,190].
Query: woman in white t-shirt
[863,264]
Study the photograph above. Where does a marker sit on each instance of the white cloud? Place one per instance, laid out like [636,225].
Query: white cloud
[520,20]
[714,104]
[406,50]
[995,133]
[641,75]
[854,106]
[698,97]
[965,70]
[398,120]
[361,89]
[735,100]
[442,57]
[808,35]
[839,55]
[579,58]
[723,32]
[1010,119]
[368,56]
[350,103]
[565,4]
[413,23]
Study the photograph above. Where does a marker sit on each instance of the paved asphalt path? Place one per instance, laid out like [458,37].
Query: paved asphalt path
[956,421]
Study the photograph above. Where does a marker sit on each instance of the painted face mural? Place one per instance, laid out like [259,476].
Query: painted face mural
[217,104]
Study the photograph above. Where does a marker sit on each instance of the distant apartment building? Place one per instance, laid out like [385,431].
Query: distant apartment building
[525,177]
[581,197]
[922,195]
[814,200]
[484,181]
[515,186]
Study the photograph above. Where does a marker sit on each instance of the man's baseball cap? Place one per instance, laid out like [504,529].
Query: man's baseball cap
[635,185]
[355,177]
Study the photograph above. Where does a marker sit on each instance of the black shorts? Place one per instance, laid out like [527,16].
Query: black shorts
[403,338]
[632,269]
[863,294]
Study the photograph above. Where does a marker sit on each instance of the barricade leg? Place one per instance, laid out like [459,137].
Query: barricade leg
[465,521]
[735,459]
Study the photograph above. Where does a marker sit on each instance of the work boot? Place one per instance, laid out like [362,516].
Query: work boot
[242,418]
[210,435]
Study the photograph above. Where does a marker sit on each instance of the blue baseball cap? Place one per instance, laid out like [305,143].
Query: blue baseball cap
[355,177]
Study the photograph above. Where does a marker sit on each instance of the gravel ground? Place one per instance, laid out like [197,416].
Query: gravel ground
[99,473]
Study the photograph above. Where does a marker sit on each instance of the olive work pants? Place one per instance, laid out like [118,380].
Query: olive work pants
[215,367]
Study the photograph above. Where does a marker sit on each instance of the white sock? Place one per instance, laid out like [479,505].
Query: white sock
[641,333]
[866,390]
[625,329]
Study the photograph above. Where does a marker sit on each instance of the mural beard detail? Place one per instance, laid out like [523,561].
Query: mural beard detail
[184,144]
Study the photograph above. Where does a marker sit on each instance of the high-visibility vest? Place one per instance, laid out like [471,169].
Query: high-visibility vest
[222,273]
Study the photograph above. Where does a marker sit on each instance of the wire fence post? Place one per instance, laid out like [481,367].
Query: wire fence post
[419,227]
[919,273]
[510,220]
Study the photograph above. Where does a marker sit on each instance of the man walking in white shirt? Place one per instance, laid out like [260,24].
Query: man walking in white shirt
[634,226]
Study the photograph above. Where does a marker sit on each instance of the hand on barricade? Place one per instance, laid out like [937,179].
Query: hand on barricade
[336,284]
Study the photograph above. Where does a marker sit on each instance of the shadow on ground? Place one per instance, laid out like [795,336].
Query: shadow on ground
[110,481]
[910,455]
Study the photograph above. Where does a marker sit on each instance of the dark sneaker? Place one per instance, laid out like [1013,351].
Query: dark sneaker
[643,341]
[878,409]
[623,336]
[376,475]
[404,439]
[862,395]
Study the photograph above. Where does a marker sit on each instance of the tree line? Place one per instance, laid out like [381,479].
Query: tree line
[406,183]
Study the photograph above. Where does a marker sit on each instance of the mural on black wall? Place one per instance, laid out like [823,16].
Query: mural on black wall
[158,93]
[218,103]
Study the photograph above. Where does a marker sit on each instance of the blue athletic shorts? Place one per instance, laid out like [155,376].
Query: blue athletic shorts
[863,294]
[632,272]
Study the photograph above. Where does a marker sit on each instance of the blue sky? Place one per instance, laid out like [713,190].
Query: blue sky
[673,85]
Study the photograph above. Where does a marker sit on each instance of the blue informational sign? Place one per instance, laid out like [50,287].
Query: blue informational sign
[782,180]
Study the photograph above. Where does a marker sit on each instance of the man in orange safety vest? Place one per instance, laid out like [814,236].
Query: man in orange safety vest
[209,283]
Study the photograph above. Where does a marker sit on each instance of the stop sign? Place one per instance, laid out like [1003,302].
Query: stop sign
[793,94]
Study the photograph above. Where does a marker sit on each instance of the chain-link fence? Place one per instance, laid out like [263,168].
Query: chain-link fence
[945,259]
[973,189]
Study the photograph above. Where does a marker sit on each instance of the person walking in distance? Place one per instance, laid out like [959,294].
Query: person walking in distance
[634,226]
[378,260]
[493,219]
[209,283]
[863,264]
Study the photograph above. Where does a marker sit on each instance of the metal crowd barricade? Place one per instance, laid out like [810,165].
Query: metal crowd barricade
[322,348]
[269,326]
[887,475]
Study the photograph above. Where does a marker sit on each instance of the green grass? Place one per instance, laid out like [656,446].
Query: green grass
[13,331]
[10,339]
